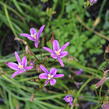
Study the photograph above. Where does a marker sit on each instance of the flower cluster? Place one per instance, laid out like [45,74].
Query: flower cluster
[56,53]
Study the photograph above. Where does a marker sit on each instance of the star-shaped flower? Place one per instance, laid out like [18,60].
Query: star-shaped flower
[20,67]
[68,99]
[34,36]
[58,52]
[49,75]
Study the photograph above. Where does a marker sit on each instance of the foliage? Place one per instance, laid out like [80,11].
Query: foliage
[65,21]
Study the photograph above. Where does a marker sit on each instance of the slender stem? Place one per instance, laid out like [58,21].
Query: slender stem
[78,93]
[26,44]
[102,6]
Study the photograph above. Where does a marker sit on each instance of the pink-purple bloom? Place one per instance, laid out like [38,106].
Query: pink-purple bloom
[49,75]
[105,106]
[34,35]
[93,1]
[78,72]
[20,67]
[58,52]
[68,99]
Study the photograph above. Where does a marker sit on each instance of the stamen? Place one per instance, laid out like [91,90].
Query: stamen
[58,52]
[69,98]
[50,76]
[20,66]
[33,35]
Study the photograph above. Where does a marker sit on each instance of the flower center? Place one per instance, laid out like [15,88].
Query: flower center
[58,52]
[50,76]
[33,35]
[69,99]
[20,66]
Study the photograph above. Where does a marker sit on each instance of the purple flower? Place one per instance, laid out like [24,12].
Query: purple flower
[20,67]
[93,1]
[34,36]
[49,75]
[105,106]
[78,72]
[58,52]
[69,99]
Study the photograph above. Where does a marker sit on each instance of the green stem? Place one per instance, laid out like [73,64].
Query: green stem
[102,6]
[80,90]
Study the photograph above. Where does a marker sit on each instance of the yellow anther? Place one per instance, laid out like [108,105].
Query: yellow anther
[20,66]
[58,52]
[33,35]
[50,76]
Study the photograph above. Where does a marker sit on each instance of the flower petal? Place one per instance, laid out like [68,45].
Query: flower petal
[17,57]
[68,98]
[70,103]
[105,106]
[52,81]
[24,61]
[43,76]
[33,31]
[36,44]
[63,53]
[40,31]
[12,65]
[53,71]
[28,67]
[44,69]
[56,45]
[93,1]
[78,72]
[27,36]
[53,55]
[65,45]
[48,49]
[16,73]
[61,62]
[58,75]
[46,82]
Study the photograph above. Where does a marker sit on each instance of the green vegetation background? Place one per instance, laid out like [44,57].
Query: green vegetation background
[65,20]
